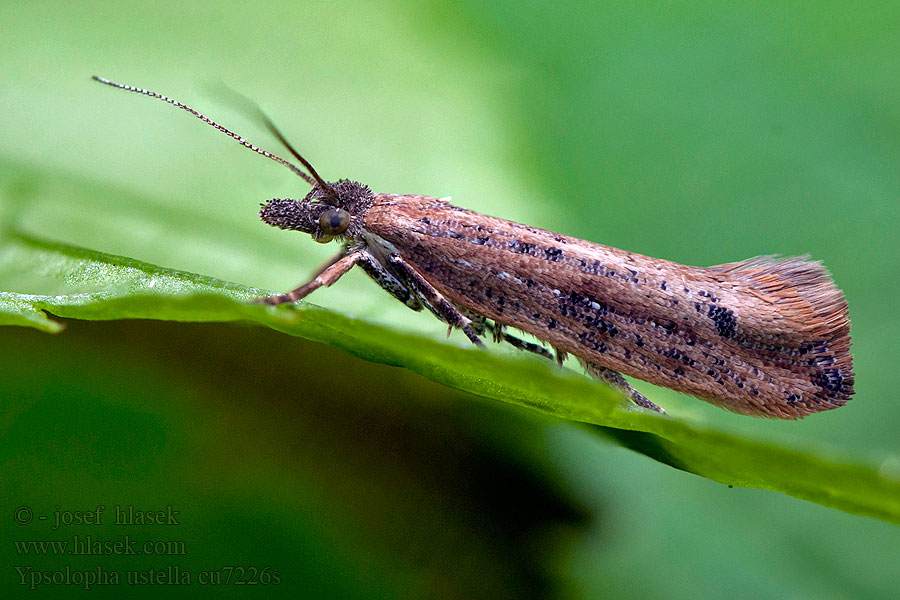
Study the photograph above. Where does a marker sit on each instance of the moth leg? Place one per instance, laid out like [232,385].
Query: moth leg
[561,356]
[344,251]
[326,276]
[388,281]
[478,322]
[615,379]
[501,336]
[433,298]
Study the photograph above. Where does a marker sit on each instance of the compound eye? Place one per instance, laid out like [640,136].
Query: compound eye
[334,221]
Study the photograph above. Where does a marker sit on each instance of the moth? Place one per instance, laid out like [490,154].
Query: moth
[766,336]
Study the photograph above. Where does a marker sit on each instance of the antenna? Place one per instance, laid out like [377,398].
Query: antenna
[313,181]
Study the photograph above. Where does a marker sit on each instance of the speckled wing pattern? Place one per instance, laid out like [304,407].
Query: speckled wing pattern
[765,336]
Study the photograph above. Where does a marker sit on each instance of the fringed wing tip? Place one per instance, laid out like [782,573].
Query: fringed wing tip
[803,289]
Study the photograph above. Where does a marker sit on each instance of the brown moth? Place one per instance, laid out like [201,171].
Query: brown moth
[767,336]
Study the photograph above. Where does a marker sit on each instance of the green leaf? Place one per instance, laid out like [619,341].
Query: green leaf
[107,287]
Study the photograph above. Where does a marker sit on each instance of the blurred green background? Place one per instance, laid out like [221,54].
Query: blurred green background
[698,132]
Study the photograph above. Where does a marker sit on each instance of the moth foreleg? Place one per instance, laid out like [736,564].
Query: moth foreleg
[344,251]
[327,275]
[388,281]
[442,307]
[615,379]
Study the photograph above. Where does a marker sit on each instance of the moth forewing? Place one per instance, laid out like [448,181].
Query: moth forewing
[766,337]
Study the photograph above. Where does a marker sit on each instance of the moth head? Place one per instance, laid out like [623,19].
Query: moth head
[325,214]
